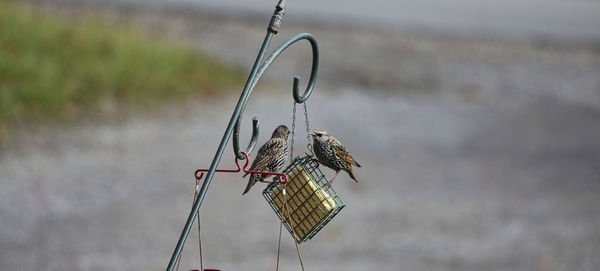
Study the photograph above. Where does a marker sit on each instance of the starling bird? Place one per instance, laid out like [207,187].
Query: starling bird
[270,157]
[331,153]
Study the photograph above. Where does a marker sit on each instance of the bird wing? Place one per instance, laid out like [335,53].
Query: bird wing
[269,151]
[341,152]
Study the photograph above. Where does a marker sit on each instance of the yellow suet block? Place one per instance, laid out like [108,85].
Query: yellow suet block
[307,202]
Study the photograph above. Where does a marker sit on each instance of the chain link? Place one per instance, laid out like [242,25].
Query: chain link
[293,131]
[308,137]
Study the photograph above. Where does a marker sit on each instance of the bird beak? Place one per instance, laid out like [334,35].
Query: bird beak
[311,134]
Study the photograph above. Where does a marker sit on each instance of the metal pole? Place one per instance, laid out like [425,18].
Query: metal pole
[217,158]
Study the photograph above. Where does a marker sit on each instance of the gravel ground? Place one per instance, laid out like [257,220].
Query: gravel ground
[477,155]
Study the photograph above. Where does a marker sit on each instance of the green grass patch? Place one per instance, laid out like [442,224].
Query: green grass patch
[56,70]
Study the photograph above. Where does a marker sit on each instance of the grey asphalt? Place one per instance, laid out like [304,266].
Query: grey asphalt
[477,155]
[552,19]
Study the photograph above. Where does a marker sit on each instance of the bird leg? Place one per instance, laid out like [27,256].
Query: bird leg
[329,183]
[264,181]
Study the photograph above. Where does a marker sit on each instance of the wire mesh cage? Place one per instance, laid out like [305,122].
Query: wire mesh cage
[310,205]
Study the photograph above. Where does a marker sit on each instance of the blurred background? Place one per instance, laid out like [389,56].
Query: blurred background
[477,124]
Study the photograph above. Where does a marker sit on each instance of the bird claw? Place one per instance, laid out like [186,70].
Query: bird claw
[331,181]
[316,161]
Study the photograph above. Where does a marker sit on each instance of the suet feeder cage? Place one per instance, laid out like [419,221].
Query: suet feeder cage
[311,203]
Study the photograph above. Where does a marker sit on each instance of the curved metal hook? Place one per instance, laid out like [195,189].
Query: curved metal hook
[313,72]
[295,90]
[236,136]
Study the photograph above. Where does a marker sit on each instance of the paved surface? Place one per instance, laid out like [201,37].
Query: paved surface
[563,19]
[476,156]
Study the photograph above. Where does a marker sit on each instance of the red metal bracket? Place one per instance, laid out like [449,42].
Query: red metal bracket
[283,178]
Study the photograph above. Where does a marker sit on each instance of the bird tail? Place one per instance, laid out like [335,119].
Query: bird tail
[251,182]
[352,161]
[351,174]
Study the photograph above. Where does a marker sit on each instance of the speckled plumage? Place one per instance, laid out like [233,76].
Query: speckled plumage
[331,153]
[270,157]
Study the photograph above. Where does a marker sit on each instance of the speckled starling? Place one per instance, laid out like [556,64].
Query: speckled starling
[270,157]
[331,153]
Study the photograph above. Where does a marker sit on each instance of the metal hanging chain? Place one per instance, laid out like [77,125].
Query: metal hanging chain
[307,124]
[308,137]
[293,131]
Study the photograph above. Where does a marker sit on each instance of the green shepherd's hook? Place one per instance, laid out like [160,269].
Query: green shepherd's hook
[255,76]
[234,124]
